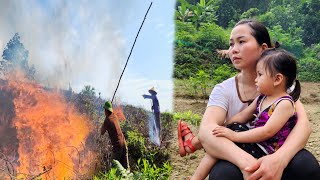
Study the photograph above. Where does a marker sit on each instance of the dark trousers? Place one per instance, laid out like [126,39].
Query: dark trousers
[121,154]
[303,165]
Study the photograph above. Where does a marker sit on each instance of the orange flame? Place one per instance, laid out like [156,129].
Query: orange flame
[50,131]
[117,110]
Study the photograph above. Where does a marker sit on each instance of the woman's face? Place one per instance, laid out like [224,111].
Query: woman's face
[244,49]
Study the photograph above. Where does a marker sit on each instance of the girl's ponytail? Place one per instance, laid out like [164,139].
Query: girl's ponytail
[295,92]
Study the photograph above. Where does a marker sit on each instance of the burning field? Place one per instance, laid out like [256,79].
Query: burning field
[41,133]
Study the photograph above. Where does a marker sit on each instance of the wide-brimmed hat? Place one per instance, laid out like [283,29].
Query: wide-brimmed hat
[153,89]
[108,106]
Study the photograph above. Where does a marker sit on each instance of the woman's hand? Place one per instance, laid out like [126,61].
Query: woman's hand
[269,167]
[221,131]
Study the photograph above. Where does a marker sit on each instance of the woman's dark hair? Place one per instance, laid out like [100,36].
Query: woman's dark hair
[281,61]
[259,31]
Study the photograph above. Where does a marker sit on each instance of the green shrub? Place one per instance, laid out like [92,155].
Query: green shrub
[145,170]
[151,171]
[188,116]
[139,148]
[309,69]
[110,175]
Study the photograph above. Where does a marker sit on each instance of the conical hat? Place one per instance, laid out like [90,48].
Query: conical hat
[153,89]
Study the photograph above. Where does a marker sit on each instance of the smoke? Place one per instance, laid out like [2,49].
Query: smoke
[154,133]
[74,42]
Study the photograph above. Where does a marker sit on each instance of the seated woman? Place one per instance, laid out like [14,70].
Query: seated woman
[248,40]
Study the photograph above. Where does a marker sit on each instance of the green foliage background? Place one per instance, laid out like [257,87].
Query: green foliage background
[202,26]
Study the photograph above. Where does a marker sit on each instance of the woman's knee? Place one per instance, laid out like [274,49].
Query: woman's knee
[303,165]
[204,134]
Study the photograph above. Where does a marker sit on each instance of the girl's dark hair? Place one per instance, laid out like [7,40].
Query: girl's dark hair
[281,61]
[259,31]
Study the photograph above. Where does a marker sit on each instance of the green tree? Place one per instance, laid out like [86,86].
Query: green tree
[288,42]
[313,51]
[222,73]
[229,11]
[309,69]
[212,37]
[251,13]
[16,53]
[200,11]
[268,19]
[201,80]
[85,101]
[183,13]
[185,34]
[226,12]
[311,21]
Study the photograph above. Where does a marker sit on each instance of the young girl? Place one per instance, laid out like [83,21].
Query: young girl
[274,109]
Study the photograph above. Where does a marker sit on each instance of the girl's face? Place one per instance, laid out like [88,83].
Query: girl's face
[244,49]
[264,81]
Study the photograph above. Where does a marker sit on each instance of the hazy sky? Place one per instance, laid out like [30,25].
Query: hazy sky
[87,43]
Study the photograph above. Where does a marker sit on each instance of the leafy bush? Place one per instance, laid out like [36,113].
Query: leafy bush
[222,73]
[188,116]
[139,148]
[313,51]
[309,69]
[145,170]
[148,170]
[110,175]
[202,81]
[200,85]
[293,44]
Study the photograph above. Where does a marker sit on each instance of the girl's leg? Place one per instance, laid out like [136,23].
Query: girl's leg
[204,167]
[195,142]
[188,142]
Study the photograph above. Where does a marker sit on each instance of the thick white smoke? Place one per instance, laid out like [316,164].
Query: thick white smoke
[74,42]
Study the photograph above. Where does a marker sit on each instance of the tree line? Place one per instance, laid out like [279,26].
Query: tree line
[202,26]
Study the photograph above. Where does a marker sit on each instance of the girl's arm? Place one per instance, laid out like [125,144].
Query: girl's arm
[219,147]
[245,115]
[299,135]
[279,117]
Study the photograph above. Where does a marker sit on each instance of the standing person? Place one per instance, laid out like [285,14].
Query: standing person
[119,145]
[155,108]
[248,40]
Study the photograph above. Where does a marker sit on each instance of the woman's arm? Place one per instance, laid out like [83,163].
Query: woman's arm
[298,137]
[245,115]
[220,147]
[296,140]
[278,119]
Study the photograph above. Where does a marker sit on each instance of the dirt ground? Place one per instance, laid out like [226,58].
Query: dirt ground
[184,167]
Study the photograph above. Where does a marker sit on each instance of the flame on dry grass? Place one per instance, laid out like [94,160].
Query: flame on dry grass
[50,131]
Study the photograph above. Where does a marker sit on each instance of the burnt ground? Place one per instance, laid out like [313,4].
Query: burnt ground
[184,167]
